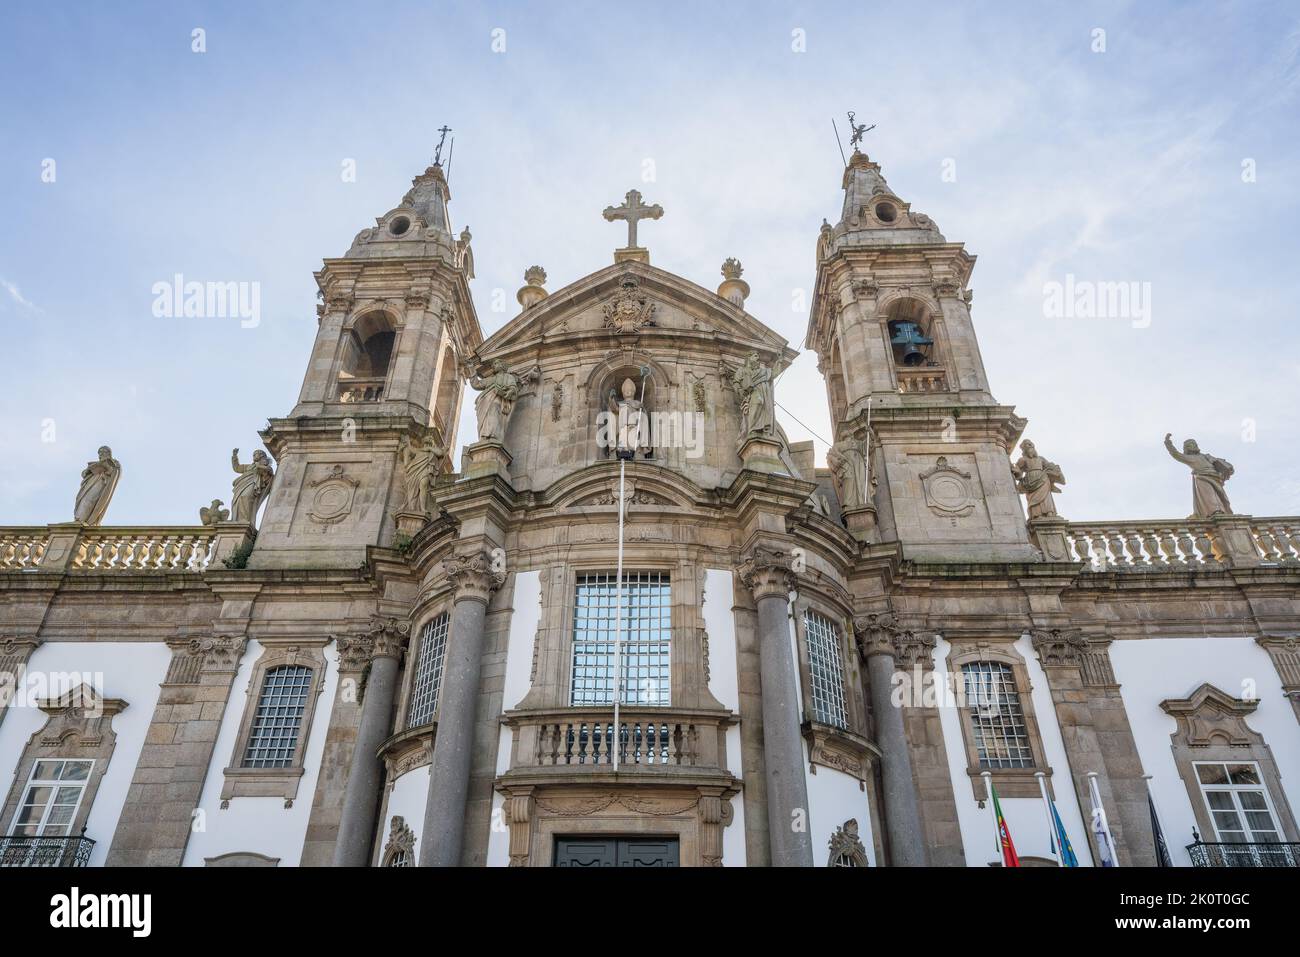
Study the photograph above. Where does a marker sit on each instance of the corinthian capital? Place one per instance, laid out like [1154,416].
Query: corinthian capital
[767,571]
[1057,648]
[875,634]
[473,576]
[219,652]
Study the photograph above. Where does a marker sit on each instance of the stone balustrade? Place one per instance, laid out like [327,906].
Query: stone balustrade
[145,549]
[362,390]
[1173,544]
[113,548]
[22,548]
[922,379]
[648,739]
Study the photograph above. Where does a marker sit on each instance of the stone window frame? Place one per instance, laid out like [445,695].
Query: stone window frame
[443,605]
[1211,728]
[855,703]
[401,841]
[275,782]
[1010,782]
[71,732]
[573,570]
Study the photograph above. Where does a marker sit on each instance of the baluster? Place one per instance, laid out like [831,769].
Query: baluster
[157,552]
[1082,548]
[1293,536]
[1136,557]
[1151,539]
[1206,547]
[1169,546]
[1118,556]
[572,744]
[1267,545]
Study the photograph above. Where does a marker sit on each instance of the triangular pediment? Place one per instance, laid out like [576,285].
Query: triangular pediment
[634,304]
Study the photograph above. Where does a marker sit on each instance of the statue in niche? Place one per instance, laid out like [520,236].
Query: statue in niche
[98,480]
[1209,474]
[849,462]
[632,419]
[1037,479]
[753,384]
[252,486]
[497,396]
[420,462]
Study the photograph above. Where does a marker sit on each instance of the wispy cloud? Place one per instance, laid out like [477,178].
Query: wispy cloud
[16,295]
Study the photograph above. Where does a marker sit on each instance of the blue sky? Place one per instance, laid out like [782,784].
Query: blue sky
[1122,165]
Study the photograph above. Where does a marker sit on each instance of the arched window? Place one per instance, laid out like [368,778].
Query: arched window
[367,352]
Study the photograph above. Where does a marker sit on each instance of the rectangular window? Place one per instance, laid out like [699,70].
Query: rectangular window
[997,719]
[428,672]
[1238,803]
[277,721]
[826,669]
[647,629]
[51,798]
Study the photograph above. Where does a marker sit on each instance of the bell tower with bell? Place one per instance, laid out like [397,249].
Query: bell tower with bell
[891,326]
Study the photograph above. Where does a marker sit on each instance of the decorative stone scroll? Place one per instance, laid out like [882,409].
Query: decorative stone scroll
[846,847]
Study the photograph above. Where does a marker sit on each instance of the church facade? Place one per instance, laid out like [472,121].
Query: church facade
[635,625]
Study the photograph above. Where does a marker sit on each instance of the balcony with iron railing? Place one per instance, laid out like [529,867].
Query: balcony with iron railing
[17,850]
[1205,854]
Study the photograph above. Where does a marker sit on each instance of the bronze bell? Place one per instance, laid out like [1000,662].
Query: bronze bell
[908,338]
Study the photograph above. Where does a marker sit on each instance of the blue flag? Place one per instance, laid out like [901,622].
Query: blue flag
[1068,858]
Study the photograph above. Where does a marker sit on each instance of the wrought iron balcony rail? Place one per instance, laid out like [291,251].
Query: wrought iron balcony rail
[18,850]
[1244,855]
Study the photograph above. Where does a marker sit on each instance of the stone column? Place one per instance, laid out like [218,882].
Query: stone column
[444,812]
[767,574]
[382,648]
[902,815]
[1285,652]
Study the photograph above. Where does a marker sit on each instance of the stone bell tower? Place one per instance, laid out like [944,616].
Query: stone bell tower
[395,325]
[891,326]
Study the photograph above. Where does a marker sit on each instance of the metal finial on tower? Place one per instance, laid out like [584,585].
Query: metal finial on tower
[857,131]
[437,154]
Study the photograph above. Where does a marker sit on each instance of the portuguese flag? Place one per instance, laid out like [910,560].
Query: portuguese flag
[1009,856]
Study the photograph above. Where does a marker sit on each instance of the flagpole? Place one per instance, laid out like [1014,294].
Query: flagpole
[1157,839]
[618,619]
[993,809]
[1053,837]
[1095,793]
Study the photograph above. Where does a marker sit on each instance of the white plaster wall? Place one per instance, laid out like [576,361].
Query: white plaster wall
[1152,670]
[720,623]
[407,799]
[261,825]
[518,678]
[833,798]
[1026,817]
[724,684]
[131,671]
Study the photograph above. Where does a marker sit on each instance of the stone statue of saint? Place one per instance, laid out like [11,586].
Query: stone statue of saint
[849,463]
[252,487]
[98,480]
[420,462]
[753,383]
[630,419]
[1208,475]
[497,396]
[1037,478]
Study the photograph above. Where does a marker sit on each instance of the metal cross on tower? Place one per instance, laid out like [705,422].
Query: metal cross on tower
[437,154]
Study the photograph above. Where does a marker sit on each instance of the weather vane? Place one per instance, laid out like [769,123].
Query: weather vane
[856,132]
[437,154]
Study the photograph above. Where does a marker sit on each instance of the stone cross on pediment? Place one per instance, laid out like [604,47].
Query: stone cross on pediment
[633,211]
